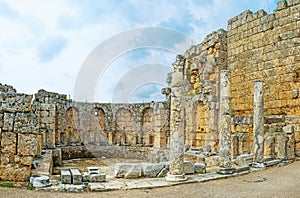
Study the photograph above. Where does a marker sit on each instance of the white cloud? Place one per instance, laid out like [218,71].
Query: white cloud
[30,29]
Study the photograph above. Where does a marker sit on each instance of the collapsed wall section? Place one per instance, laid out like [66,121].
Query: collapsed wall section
[201,90]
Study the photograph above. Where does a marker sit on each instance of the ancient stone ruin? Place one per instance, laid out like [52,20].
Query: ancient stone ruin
[231,101]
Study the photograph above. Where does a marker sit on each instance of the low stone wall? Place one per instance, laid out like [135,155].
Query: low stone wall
[74,152]
[150,154]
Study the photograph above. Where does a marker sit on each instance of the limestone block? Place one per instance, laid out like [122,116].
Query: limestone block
[15,173]
[8,143]
[242,169]
[150,169]
[226,171]
[213,161]
[234,145]
[24,160]
[97,177]
[27,144]
[93,170]
[7,159]
[76,176]
[200,167]
[269,148]
[128,170]
[65,176]
[245,160]
[281,5]
[280,147]
[188,167]
[288,129]
[8,122]
[290,147]
[95,187]
[274,119]
[272,162]
[40,181]
[26,123]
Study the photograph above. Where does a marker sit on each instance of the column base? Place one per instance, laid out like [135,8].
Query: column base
[258,165]
[175,178]
[226,171]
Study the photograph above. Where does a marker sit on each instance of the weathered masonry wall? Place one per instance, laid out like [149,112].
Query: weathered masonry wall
[29,123]
[265,47]
[21,140]
[202,64]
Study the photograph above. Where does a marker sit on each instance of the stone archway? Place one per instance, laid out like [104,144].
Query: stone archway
[123,126]
[147,132]
[71,134]
[97,127]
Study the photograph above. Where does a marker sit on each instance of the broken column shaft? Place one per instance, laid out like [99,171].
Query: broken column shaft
[176,172]
[225,118]
[258,122]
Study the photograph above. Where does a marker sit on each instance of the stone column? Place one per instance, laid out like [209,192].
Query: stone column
[258,122]
[225,118]
[176,172]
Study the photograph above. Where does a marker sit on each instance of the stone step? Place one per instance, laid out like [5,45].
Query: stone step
[272,162]
[65,176]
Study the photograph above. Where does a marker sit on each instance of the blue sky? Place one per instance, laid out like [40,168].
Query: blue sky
[43,44]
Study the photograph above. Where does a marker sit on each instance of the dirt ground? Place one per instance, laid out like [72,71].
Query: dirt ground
[280,182]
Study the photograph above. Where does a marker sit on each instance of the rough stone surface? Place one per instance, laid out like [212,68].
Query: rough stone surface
[199,168]
[65,176]
[76,176]
[128,170]
[98,177]
[256,46]
[188,167]
[150,169]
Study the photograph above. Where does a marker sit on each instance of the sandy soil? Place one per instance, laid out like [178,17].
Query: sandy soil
[280,182]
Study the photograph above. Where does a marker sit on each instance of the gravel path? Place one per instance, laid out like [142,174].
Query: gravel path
[274,182]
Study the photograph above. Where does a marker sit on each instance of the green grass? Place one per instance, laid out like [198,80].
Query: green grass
[6,185]
[30,188]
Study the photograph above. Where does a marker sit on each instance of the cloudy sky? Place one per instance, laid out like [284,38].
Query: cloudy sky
[46,43]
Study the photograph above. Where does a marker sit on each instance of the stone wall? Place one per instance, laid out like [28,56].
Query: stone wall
[21,139]
[265,47]
[201,90]
[257,46]
[29,123]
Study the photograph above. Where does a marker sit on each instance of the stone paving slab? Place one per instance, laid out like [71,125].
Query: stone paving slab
[114,185]
[158,183]
[96,187]
[138,184]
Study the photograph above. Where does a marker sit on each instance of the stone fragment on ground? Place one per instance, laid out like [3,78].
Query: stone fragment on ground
[151,169]
[188,167]
[40,181]
[199,167]
[127,170]
[65,176]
